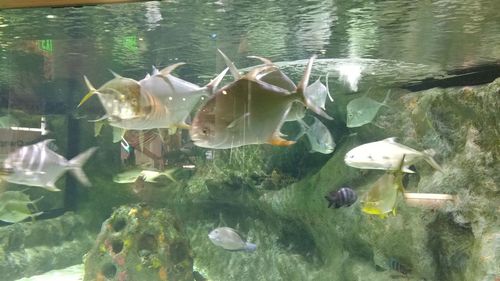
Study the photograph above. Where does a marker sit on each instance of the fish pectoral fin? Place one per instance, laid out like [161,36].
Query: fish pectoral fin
[279,141]
[239,121]
[118,134]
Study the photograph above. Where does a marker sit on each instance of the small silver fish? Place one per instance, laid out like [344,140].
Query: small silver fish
[228,239]
[362,110]
[319,136]
[386,155]
[248,111]
[146,175]
[317,93]
[37,165]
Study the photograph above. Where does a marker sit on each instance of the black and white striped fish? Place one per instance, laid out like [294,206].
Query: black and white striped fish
[38,165]
[343,197]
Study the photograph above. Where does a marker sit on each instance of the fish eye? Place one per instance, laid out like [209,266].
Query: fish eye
[205,131]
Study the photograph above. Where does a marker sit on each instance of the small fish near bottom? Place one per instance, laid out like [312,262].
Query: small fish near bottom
[230,240]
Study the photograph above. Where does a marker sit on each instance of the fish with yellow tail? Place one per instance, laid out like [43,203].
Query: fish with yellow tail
[249,111]
[159,101]
[385,155]
[120,97]
[382,196]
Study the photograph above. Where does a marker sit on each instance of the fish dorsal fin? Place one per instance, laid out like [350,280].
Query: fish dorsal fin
[252,75]
[154,70]
[390,140]
[116,75]
[167,70]
[328,88]
[91,92]
[263,60]
[232,68]
[46,142]
[212,85]
[387,97]
[307,73]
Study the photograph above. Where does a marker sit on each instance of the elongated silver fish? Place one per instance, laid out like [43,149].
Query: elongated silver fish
[248,111]
[229,239]
[386,155]
[38,165]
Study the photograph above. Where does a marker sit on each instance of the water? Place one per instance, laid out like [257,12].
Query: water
[273,196]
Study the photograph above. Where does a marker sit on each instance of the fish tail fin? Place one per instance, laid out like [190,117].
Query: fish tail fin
[250,247]
[212,85]
[302,87]
[76,164]
[91,92]
[428,154]
[169,174]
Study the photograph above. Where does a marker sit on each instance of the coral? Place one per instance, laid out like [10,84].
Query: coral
[138,243]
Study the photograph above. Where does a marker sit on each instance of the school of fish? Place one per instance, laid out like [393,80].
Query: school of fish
[250,110]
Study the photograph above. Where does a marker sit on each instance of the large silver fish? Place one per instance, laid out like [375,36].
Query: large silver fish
[386,155]
[249,111]
[229,239]
[38,165]
[158,101]
[316,93]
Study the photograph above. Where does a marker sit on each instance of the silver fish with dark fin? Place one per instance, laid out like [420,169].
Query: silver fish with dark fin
[38,165]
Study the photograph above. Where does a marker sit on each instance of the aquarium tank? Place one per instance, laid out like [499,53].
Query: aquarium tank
[249,140]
